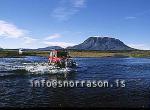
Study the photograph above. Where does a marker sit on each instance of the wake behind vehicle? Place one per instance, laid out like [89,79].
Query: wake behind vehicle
[59,61]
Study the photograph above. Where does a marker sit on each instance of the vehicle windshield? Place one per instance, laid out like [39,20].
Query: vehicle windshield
[62,54]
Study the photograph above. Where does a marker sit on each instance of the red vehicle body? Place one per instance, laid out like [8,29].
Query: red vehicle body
[56,57]
[60,58]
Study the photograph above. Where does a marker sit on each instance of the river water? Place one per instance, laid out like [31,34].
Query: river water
[16,90]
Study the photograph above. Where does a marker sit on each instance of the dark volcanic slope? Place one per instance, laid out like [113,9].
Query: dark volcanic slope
[101,43]
[50,47]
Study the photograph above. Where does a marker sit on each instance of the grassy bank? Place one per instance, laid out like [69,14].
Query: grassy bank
[133,53]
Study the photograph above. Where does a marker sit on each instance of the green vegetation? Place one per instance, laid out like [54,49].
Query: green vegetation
[127,53]
[79,53]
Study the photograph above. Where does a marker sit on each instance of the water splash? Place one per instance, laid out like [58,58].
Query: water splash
[41,68]
[33,68]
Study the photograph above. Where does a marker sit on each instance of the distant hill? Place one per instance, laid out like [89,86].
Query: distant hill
[101,43]
[50,47]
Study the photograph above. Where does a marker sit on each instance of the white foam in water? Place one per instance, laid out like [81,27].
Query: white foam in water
[34,68]
[45,68]
[12,65]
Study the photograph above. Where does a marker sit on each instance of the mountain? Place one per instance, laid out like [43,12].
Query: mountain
[51,47]
[101,43]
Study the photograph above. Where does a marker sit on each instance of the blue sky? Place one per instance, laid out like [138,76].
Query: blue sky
[41,23]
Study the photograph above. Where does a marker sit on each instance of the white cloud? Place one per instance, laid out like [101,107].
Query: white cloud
[140,46]
[130,17]
[145,12]
[137,15]
[10,30]
[67,9]
[54,36]
[61,44]
[14,37]
[78,3]
[63,13]
[29,40]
